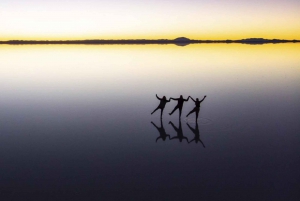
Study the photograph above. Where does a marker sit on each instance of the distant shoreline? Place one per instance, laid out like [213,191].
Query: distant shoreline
[182,41]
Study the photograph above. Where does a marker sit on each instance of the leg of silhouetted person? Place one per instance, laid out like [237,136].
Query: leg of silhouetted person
[155,110]
[161,113]
[174,110]
[180,110]
[197,114]
[193,110]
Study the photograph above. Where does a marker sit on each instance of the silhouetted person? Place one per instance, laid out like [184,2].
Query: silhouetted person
[180,135]
[196,108]
[197,134]
[161,105]
[179,105]
[162,133]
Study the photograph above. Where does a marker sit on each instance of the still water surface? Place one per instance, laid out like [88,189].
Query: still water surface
[75,122]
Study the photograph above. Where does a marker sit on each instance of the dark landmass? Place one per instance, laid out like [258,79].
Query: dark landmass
[181,41]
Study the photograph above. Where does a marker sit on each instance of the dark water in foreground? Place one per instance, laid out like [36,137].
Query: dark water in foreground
[75,122]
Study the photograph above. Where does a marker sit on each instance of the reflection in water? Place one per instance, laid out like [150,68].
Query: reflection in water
[72,129]
[180,135]
[197,134]
[162,133]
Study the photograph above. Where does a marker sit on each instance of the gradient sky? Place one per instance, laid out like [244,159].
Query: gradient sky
[106,19]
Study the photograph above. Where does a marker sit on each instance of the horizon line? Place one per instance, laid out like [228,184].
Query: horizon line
[180,41]
[181,37]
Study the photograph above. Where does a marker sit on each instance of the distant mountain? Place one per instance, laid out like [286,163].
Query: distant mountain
[262,41]
[182,41]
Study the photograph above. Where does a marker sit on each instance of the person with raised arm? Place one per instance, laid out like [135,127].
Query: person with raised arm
[179,105]
[162,104]
[196,108]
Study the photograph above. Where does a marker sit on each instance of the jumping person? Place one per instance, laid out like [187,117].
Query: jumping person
[161,105]
[179,105]
[196,108]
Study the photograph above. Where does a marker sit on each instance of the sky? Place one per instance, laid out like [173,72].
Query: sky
[155,19]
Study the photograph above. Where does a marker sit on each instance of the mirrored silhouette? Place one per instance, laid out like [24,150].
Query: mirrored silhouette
[162,133]
[196,133]
[179,105]
[196,108]
[180,135]
[162,104]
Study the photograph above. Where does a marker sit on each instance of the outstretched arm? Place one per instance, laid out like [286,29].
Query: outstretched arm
[203,98]
[157,97]
[192,98]
[174,98]
[187,99]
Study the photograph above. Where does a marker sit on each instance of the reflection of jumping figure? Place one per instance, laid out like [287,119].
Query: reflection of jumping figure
[161,105]
[197,134]
[180,135]
[179,105]
[197,108]
[162,133]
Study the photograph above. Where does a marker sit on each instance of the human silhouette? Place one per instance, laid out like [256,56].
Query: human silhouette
[180,135]
[161,105]
[196,108]
[162,133]
[179,105]
[197,134]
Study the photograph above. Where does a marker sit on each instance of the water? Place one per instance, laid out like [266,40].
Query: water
[75,122]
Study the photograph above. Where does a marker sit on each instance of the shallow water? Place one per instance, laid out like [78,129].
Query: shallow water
[76,123]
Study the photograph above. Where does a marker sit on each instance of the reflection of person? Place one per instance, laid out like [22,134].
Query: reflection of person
[179,105]
[161,105]
[197,134]
[162,133]
[196,108]
[180,135]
